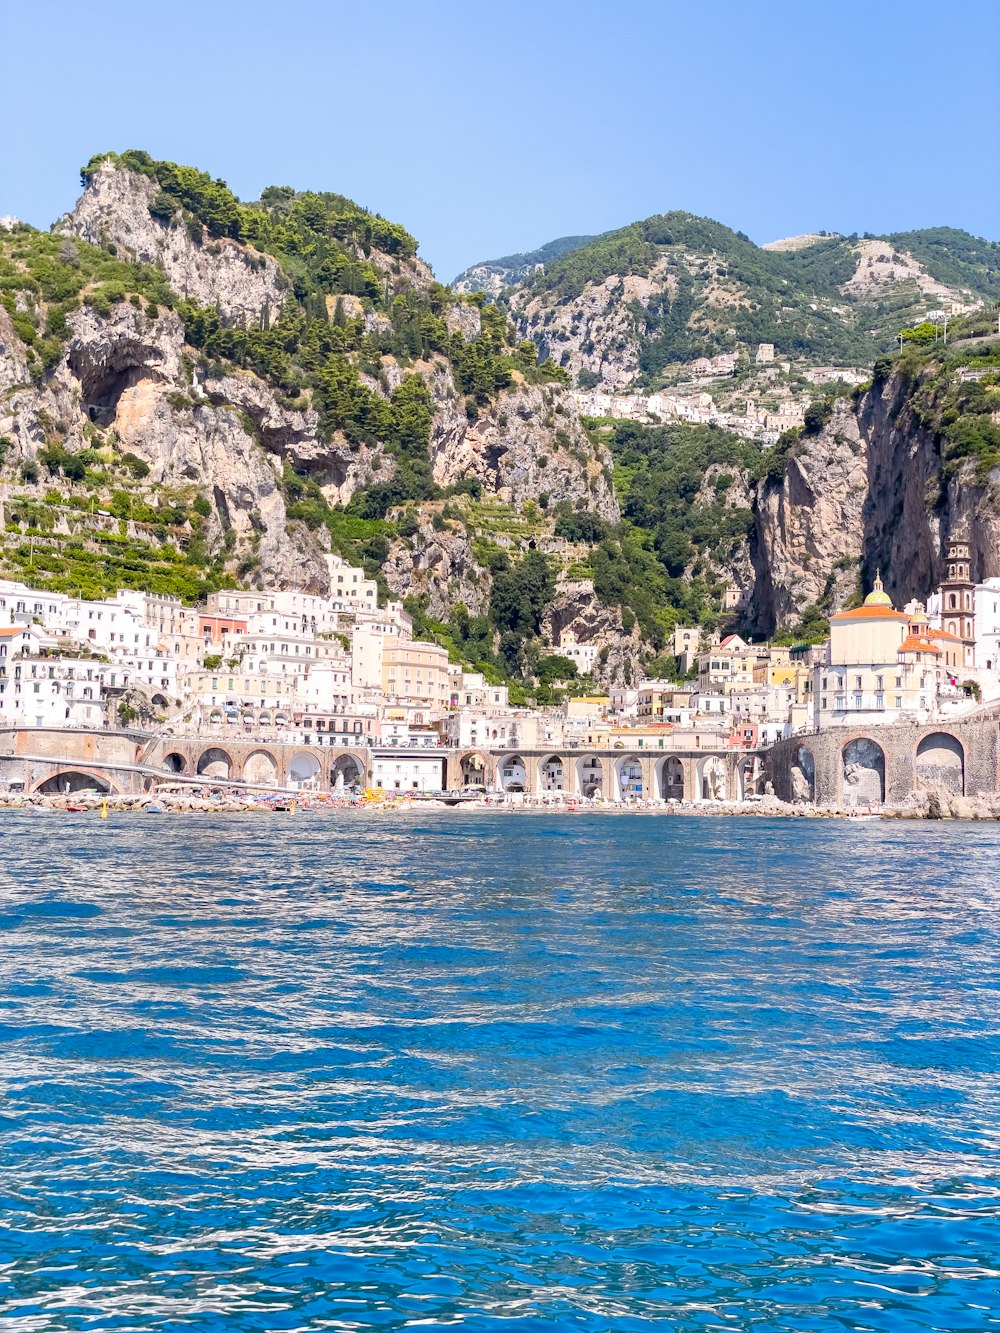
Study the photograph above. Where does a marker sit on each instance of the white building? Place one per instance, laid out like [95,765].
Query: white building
[582,655]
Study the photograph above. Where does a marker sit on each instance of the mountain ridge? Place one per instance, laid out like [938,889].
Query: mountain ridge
[643,301]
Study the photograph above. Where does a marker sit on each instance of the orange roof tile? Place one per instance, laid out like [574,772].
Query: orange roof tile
[8,630]
[943,634]
[871,613]
[914,644]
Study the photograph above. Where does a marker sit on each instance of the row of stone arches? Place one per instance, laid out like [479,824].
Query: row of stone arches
[625,778]
[938,762]
[261,767]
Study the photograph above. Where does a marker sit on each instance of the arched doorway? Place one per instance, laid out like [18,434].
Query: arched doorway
[67,780]
[746,777]
[864,773]
[550,774]
[628,778]
[712,779]
[590,777]
[941,763]
[215,763]
[346,773]
[672,779]
[473,770]
[304,770]
[802,775]
[175,762]
[513,774]
[260,766]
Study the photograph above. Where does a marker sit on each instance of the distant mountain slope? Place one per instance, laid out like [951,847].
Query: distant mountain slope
[494,275]
[637,304]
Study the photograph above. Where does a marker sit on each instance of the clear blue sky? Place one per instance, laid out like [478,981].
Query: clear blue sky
[487,128]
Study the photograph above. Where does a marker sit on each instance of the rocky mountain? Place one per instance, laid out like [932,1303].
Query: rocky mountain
[883,482]
[197,391]
[494,275]
[634,307]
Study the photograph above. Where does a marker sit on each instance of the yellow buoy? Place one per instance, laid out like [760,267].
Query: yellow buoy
[293,807]
[104,809]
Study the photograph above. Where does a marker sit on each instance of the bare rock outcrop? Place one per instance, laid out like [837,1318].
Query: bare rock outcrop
[809,526]
[245,286]
[13,358]
[438,563]
[597,331]
[529,444]
[576,610]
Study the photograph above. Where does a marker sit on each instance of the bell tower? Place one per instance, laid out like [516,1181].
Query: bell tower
[958,597]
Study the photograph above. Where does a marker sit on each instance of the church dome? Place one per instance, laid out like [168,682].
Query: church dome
[878,595]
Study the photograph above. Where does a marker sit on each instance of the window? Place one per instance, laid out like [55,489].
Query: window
[880,701]
[899,701]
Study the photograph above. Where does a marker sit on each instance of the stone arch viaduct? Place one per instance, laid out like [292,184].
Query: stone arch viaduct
[130,762]
[849,767]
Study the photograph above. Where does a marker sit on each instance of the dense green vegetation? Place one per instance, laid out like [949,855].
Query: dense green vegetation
[954,257]
[668,560]
[505,643]
[58,275]
[316,237]
[132,543]
[792,298]
[955,390]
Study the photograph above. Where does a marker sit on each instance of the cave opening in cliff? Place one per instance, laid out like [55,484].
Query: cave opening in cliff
[103,386]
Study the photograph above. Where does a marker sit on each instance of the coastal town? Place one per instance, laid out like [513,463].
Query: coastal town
[285,690]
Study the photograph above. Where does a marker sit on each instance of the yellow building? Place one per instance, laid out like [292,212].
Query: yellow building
[416,673]
[882,665]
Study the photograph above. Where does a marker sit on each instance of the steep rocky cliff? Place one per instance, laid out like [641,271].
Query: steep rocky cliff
[161,328]
[242,283]
[886,482]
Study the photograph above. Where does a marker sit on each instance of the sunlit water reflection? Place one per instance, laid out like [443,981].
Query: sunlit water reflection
[361,1070]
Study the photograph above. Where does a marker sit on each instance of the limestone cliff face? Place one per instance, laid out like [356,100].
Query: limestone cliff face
[126,373]
[868,492]
[13,360]
[529,443]
[438,564]
[120,379]
[576,609]
[597,331]
[246,287]
[809,527]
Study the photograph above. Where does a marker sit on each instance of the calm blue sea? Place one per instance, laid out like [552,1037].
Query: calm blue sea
[498,1071]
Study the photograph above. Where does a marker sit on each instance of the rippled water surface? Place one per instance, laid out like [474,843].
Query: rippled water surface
[361,1070]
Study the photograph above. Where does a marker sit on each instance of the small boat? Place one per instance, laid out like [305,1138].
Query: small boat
[77,809]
